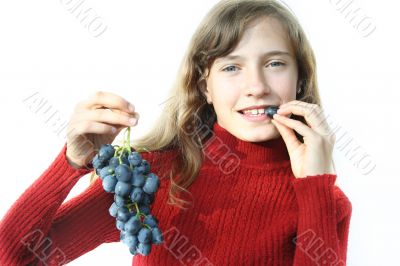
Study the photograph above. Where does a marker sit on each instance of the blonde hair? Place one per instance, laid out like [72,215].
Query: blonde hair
[186,109]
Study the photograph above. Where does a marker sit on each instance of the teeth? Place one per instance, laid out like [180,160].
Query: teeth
[254,111]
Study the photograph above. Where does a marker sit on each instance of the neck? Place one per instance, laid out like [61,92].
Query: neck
[224,145]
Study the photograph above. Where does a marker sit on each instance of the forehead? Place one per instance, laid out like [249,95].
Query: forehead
[264,36]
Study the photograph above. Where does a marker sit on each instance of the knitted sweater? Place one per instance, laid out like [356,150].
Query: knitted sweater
[248,209]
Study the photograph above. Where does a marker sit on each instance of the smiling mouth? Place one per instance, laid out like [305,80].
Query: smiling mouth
[268,111]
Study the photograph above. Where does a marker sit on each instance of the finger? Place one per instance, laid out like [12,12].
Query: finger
[292,143]
[110,117]
[312,113]
[300,127]
[110,101]
[93,127]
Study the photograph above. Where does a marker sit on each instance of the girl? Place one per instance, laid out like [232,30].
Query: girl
[237,187]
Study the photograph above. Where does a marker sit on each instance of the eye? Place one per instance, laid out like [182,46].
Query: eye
[228,67]
[276,64]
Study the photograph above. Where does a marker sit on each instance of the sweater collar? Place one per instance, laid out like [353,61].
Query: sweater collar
[223,144]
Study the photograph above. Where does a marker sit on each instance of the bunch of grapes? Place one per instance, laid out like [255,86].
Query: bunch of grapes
[124,173]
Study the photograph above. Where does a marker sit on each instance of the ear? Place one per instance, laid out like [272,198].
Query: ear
[204,89]
[207,94]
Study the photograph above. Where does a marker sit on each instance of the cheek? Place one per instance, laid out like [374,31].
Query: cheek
[225,94]
[284,85]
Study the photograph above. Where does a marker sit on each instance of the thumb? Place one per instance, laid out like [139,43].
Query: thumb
[292,143]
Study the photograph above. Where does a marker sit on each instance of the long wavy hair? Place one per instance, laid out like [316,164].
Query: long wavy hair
[186,109]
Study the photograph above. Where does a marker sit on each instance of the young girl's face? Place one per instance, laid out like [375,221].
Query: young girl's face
[263,72]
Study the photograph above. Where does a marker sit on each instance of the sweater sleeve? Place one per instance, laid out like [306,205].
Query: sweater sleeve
[39,229]
[323,223]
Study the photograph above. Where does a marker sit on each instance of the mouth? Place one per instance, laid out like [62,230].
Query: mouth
[267,110]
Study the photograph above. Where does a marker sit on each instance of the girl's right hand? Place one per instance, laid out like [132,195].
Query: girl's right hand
[95,122]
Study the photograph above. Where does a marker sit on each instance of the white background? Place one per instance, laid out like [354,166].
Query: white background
[45,49]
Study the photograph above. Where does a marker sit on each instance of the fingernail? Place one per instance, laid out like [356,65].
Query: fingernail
[113,130]
[281,111]
[131,108]
[276,116]
[132,121]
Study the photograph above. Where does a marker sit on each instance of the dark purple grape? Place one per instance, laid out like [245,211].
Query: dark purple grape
[144,209]
[108,170]
[106,152]
[123,214]
[271,110]
[113,210]
[144,235]
[123,189]
[114,162]
[152,183]
[147,198]
[157,237]
[133,225]
[97,163]
[144,249]
[151,221]
[130,240]
[123,173]
[109,183]
[120,225]
[135,159]
[138,180]
[137,195]
[119,201]
[146,167]
[133,251]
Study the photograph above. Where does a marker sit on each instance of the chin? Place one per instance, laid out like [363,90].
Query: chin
[260,135]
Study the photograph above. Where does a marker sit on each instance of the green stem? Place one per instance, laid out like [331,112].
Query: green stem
[148,226]
[137,210]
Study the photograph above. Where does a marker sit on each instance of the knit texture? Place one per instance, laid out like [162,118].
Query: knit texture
[247,209]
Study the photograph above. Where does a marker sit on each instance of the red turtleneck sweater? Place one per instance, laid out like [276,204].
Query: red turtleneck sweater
[248,209]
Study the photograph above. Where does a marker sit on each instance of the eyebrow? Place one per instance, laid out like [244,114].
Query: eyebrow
[270,53]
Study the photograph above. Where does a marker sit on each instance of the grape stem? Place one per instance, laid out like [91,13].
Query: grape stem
[127,147]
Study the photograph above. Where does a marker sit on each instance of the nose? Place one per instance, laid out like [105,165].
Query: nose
[256,84]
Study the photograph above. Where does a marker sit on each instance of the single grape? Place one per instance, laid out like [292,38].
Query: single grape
[124,214]
[113,210]
[114,162]
[144,209]
[97,163]
[135,159]
[152,183]
[106,152]
[123,189]
[120,225]
[150,220]
[137,195]
[271,110]
[130,240]
[133,251]
[147,199]
[145,164]
[123,173]
[133,225]
[144,249]
[157,237]
[109,183]
[144,235]
[119,201]
[138,179]
[108,170]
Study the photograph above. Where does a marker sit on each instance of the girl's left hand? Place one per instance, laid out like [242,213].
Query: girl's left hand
[314,156]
